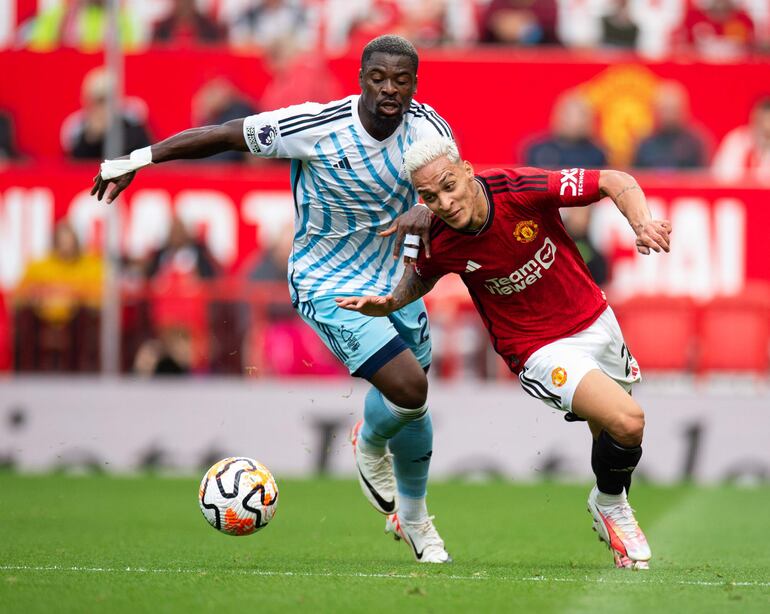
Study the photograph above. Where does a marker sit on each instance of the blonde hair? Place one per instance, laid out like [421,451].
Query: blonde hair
[426,151]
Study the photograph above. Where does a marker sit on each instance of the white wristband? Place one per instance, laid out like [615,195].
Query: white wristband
[139,158]
[411,246]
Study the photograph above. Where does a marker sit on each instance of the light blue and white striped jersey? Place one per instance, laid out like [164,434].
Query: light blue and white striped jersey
[347,186]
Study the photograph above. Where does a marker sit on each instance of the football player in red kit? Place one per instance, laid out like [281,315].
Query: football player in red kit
[501,231]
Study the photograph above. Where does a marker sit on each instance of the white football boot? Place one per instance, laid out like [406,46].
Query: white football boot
[375,474]
[617,527]
[422,537]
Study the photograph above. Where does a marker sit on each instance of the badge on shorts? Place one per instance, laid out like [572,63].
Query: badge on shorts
[559,377]
[525,231]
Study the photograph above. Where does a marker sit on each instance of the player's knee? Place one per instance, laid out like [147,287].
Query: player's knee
[412,392]
[628,428]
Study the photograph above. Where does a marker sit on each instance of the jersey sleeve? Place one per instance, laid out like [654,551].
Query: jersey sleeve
[573,187]
[429,124]
[291,132]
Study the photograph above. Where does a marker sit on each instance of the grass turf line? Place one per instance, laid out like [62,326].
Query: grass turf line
[67,543]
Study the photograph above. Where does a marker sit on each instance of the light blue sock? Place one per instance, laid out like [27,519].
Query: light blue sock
[380,424]
[412,448]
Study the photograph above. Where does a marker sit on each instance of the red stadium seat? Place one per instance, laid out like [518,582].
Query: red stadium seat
[735,333]
[660,331]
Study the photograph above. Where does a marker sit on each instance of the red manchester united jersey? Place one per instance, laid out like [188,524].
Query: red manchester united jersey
[523,271]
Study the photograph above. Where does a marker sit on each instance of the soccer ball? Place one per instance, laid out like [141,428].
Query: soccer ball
[238,496]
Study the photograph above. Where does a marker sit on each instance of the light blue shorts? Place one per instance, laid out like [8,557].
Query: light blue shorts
[364,344]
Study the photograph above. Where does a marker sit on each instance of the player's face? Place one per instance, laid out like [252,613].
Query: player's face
[388,83]
[449,190]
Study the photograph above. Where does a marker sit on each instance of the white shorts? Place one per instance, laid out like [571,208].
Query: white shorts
[553,372]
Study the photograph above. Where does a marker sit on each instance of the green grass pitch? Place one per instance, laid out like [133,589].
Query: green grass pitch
[106,544]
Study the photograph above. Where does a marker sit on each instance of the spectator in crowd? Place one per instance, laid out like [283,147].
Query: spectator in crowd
[577,221]
[759,11]
[339,18]
[658,21]
[57,305]
[84,132]
[186,26]
[269,263]
[570,143]
[720,31]
[745,151]
[268,23]
[673,144]
[278,343]
[519,22]
[585,23]
[7,140]
[429,23]
[618,27]
[373,18]
[179,301]
[170,354]
[217,102]
[286,62]
[272,264]
[182,254]
[79,24]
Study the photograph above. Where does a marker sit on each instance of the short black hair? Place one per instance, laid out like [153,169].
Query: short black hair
[392,45]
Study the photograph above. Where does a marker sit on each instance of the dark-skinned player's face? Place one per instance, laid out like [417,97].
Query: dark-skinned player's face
[447,189]
[388,83]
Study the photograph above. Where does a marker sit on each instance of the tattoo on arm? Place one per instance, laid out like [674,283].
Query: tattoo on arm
[411,287]
[634,186]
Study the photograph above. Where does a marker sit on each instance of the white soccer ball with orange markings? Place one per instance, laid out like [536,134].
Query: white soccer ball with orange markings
[238,496]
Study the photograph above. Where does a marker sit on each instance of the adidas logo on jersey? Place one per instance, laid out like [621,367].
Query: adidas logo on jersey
[472,266]
[344,163]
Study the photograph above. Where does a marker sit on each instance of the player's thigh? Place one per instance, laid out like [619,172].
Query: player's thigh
[606,405]
[355,339]
[412,325]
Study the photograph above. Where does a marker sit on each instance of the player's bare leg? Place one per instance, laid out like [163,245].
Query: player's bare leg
[617,425]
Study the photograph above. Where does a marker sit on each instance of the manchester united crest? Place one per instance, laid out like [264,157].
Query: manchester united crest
[525,231]
[559,377]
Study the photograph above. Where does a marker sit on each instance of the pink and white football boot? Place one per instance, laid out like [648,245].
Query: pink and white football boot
[617,527]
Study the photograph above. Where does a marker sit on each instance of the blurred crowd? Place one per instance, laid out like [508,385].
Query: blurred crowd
[674,140]
[178,314]
[723,29]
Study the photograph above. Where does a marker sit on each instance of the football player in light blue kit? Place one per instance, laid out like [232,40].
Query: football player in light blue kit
[350,191]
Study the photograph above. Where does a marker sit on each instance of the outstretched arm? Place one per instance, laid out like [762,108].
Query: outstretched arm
[629,198]
[188,144]
[409,289]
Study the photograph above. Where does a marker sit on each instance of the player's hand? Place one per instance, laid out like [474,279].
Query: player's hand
[653,235]
[376,306]
[101,185]
[416,221]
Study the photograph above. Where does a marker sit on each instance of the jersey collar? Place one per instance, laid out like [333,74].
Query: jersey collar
[490,212]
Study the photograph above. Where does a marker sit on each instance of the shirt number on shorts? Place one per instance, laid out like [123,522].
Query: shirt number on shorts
[423,320]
